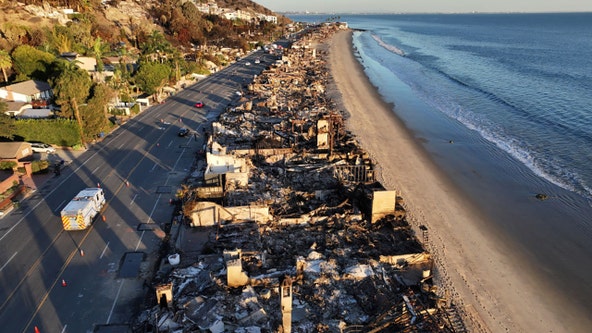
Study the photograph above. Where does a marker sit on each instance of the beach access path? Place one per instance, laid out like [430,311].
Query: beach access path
[474,264]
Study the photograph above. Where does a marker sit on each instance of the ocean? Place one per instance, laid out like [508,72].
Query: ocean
[503,105]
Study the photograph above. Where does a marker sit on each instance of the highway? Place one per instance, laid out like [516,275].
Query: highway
[71,281]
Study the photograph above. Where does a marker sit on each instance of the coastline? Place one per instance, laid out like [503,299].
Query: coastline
[492,284]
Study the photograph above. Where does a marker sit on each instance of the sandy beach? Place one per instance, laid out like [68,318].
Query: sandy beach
[492,285]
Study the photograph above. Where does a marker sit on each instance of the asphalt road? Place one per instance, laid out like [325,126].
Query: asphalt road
[37,255]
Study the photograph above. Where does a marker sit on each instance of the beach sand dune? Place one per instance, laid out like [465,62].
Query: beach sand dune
[485,276]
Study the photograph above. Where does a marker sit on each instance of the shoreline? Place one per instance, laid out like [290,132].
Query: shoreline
[486,277]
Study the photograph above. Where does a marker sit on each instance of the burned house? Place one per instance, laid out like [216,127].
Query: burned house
[288,229]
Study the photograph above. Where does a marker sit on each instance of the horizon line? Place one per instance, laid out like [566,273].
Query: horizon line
[429,13]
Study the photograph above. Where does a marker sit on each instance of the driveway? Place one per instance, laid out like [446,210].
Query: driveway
[61,154]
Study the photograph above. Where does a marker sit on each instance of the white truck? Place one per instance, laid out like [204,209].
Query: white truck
[80,211]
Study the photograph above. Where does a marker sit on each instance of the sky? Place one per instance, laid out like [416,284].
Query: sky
[426,6]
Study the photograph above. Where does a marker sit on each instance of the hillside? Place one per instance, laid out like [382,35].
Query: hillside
[115,21]
[121,49]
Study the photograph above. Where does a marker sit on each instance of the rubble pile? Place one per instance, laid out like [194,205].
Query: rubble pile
[296,234]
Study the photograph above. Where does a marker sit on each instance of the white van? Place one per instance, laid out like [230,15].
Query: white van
[42,148]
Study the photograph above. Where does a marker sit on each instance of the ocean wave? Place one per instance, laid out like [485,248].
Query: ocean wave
[456,96]
[387,46]
[545,167]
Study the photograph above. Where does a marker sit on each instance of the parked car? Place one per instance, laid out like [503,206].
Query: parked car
[199,104]
[183,132]
[42,148]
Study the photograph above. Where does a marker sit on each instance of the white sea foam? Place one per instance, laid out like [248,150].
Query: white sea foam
[387,46]
[478,110]
[545,168]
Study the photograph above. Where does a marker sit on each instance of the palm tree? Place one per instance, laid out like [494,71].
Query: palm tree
[98,48]
[5,63]
[157,45]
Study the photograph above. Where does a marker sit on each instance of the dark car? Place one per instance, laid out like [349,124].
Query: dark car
[199,105]
[183,132]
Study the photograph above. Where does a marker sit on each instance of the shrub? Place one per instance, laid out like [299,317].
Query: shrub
[40,166]
[135,109]
[7,165]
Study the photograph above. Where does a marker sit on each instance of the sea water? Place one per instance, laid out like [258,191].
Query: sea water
[503,104]
[521,81]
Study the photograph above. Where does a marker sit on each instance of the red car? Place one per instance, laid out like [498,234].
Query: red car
[199,105]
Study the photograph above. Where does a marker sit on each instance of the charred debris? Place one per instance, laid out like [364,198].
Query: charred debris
[284,226]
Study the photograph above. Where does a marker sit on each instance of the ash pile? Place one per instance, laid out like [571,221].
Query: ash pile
[286,228]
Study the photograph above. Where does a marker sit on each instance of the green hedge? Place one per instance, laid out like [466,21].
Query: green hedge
[40,166]
[61,132]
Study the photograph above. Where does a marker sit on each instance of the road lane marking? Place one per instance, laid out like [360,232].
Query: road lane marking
[69,259]
[133,199]
[9,259]
[38,261]
[115,302]
[64,329]
[95,170]
[105,249]
[31,269]
[55,282]
[120,146]
[142,235]
[59,206]
[74,252]
[50,193]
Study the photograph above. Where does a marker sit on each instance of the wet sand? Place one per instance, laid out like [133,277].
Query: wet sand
[493,285]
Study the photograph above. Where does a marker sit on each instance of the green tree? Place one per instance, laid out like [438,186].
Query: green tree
[152,76]
[30,63]
[80,34]
[13,32]
[5,63]
[63,43]
[94,113]
[38,37]
[157,43]
[97,49]
[7,126]
[70,88]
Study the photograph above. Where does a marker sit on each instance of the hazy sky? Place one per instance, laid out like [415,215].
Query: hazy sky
[425,6]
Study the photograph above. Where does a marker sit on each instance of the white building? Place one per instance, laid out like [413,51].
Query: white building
[268,18]
[26,91]
[212,8]
[238,15]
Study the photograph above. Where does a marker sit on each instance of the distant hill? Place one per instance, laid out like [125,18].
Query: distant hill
[116,21]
